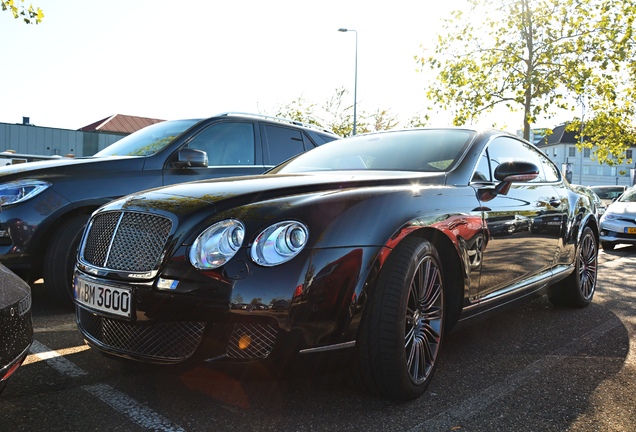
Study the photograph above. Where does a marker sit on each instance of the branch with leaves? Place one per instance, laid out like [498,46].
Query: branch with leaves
[30,15]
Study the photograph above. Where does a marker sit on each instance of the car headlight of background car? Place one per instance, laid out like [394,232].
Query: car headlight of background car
[279,243]
[609,217]
[21,190]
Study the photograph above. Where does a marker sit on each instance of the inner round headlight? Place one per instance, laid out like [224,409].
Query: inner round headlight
[279,243]
[217,244]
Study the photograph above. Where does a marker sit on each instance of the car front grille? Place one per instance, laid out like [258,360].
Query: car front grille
[164,342]
[126,241]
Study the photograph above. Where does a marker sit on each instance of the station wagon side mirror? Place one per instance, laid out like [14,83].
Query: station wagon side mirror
[191,158]
[508,173]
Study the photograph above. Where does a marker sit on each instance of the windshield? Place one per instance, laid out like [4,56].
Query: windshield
[628,196]
[608,192]
[147,141]
[424,150]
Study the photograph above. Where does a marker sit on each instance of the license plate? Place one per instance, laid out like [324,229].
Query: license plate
[630,230]
[107,298]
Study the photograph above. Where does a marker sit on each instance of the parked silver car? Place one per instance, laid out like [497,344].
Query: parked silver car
[618,224]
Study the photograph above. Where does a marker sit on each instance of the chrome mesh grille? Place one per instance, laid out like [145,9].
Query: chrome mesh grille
[251,341]
[126,241]
[169,341]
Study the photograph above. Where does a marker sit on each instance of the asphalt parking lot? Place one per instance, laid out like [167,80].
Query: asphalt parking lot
[533,368]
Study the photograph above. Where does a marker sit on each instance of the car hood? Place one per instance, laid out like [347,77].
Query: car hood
[627,209]
[235,191]
[43,168]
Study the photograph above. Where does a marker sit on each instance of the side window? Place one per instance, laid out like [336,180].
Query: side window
[550,170]
[283,143]
[482,172]
[509,149]
[229,143]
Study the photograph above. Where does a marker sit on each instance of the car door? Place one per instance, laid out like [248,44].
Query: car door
[524,225]
[232,147]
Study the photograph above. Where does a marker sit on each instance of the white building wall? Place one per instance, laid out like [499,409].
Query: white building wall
[586,170]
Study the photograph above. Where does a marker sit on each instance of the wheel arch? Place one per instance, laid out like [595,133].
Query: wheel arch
[44,241]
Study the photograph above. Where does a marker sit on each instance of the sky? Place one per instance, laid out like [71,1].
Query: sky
[89,60]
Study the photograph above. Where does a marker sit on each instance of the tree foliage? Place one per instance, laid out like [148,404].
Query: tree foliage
[336,114]
[538,57]
[30,15]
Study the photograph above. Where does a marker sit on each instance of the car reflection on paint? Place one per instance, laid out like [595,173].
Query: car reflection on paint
[508,225]
[374,246]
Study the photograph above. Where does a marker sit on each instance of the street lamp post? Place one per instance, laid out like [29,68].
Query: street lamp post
[355,82]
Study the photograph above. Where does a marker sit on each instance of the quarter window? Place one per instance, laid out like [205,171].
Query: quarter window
[283,143]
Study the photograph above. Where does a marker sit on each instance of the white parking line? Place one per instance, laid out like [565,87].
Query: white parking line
[56,360]
[137,413]
[143,416]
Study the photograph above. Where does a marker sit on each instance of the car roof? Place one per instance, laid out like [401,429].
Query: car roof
[274,119]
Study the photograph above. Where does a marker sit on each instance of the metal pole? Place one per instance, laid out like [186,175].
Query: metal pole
[355,81]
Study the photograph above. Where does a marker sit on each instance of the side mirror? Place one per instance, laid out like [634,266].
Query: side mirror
[191,158]
[507,173]
[516,171]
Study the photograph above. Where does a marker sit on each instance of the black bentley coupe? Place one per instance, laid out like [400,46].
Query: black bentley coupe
[377,244]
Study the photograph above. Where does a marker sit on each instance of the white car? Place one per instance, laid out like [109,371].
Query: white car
[618,224]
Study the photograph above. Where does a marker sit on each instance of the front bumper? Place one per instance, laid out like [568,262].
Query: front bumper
[311,302]
[616,232]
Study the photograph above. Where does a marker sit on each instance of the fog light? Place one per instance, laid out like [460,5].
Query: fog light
[244,341]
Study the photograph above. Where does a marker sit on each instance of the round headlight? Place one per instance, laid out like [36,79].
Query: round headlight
[217,244]
[279,243]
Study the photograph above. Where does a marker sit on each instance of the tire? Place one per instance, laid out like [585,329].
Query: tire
[402,327]
[577,290]
[608,246]
[59,259]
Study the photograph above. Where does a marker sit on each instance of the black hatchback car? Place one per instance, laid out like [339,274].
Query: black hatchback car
[45,205]
[376,244]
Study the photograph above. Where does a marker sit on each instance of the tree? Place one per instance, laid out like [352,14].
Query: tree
[298,110]
[539,56]
[337,115]
[340,114]
[30,15]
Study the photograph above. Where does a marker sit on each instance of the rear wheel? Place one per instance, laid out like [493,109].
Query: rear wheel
[402,328]
[578,289]
[60,257]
